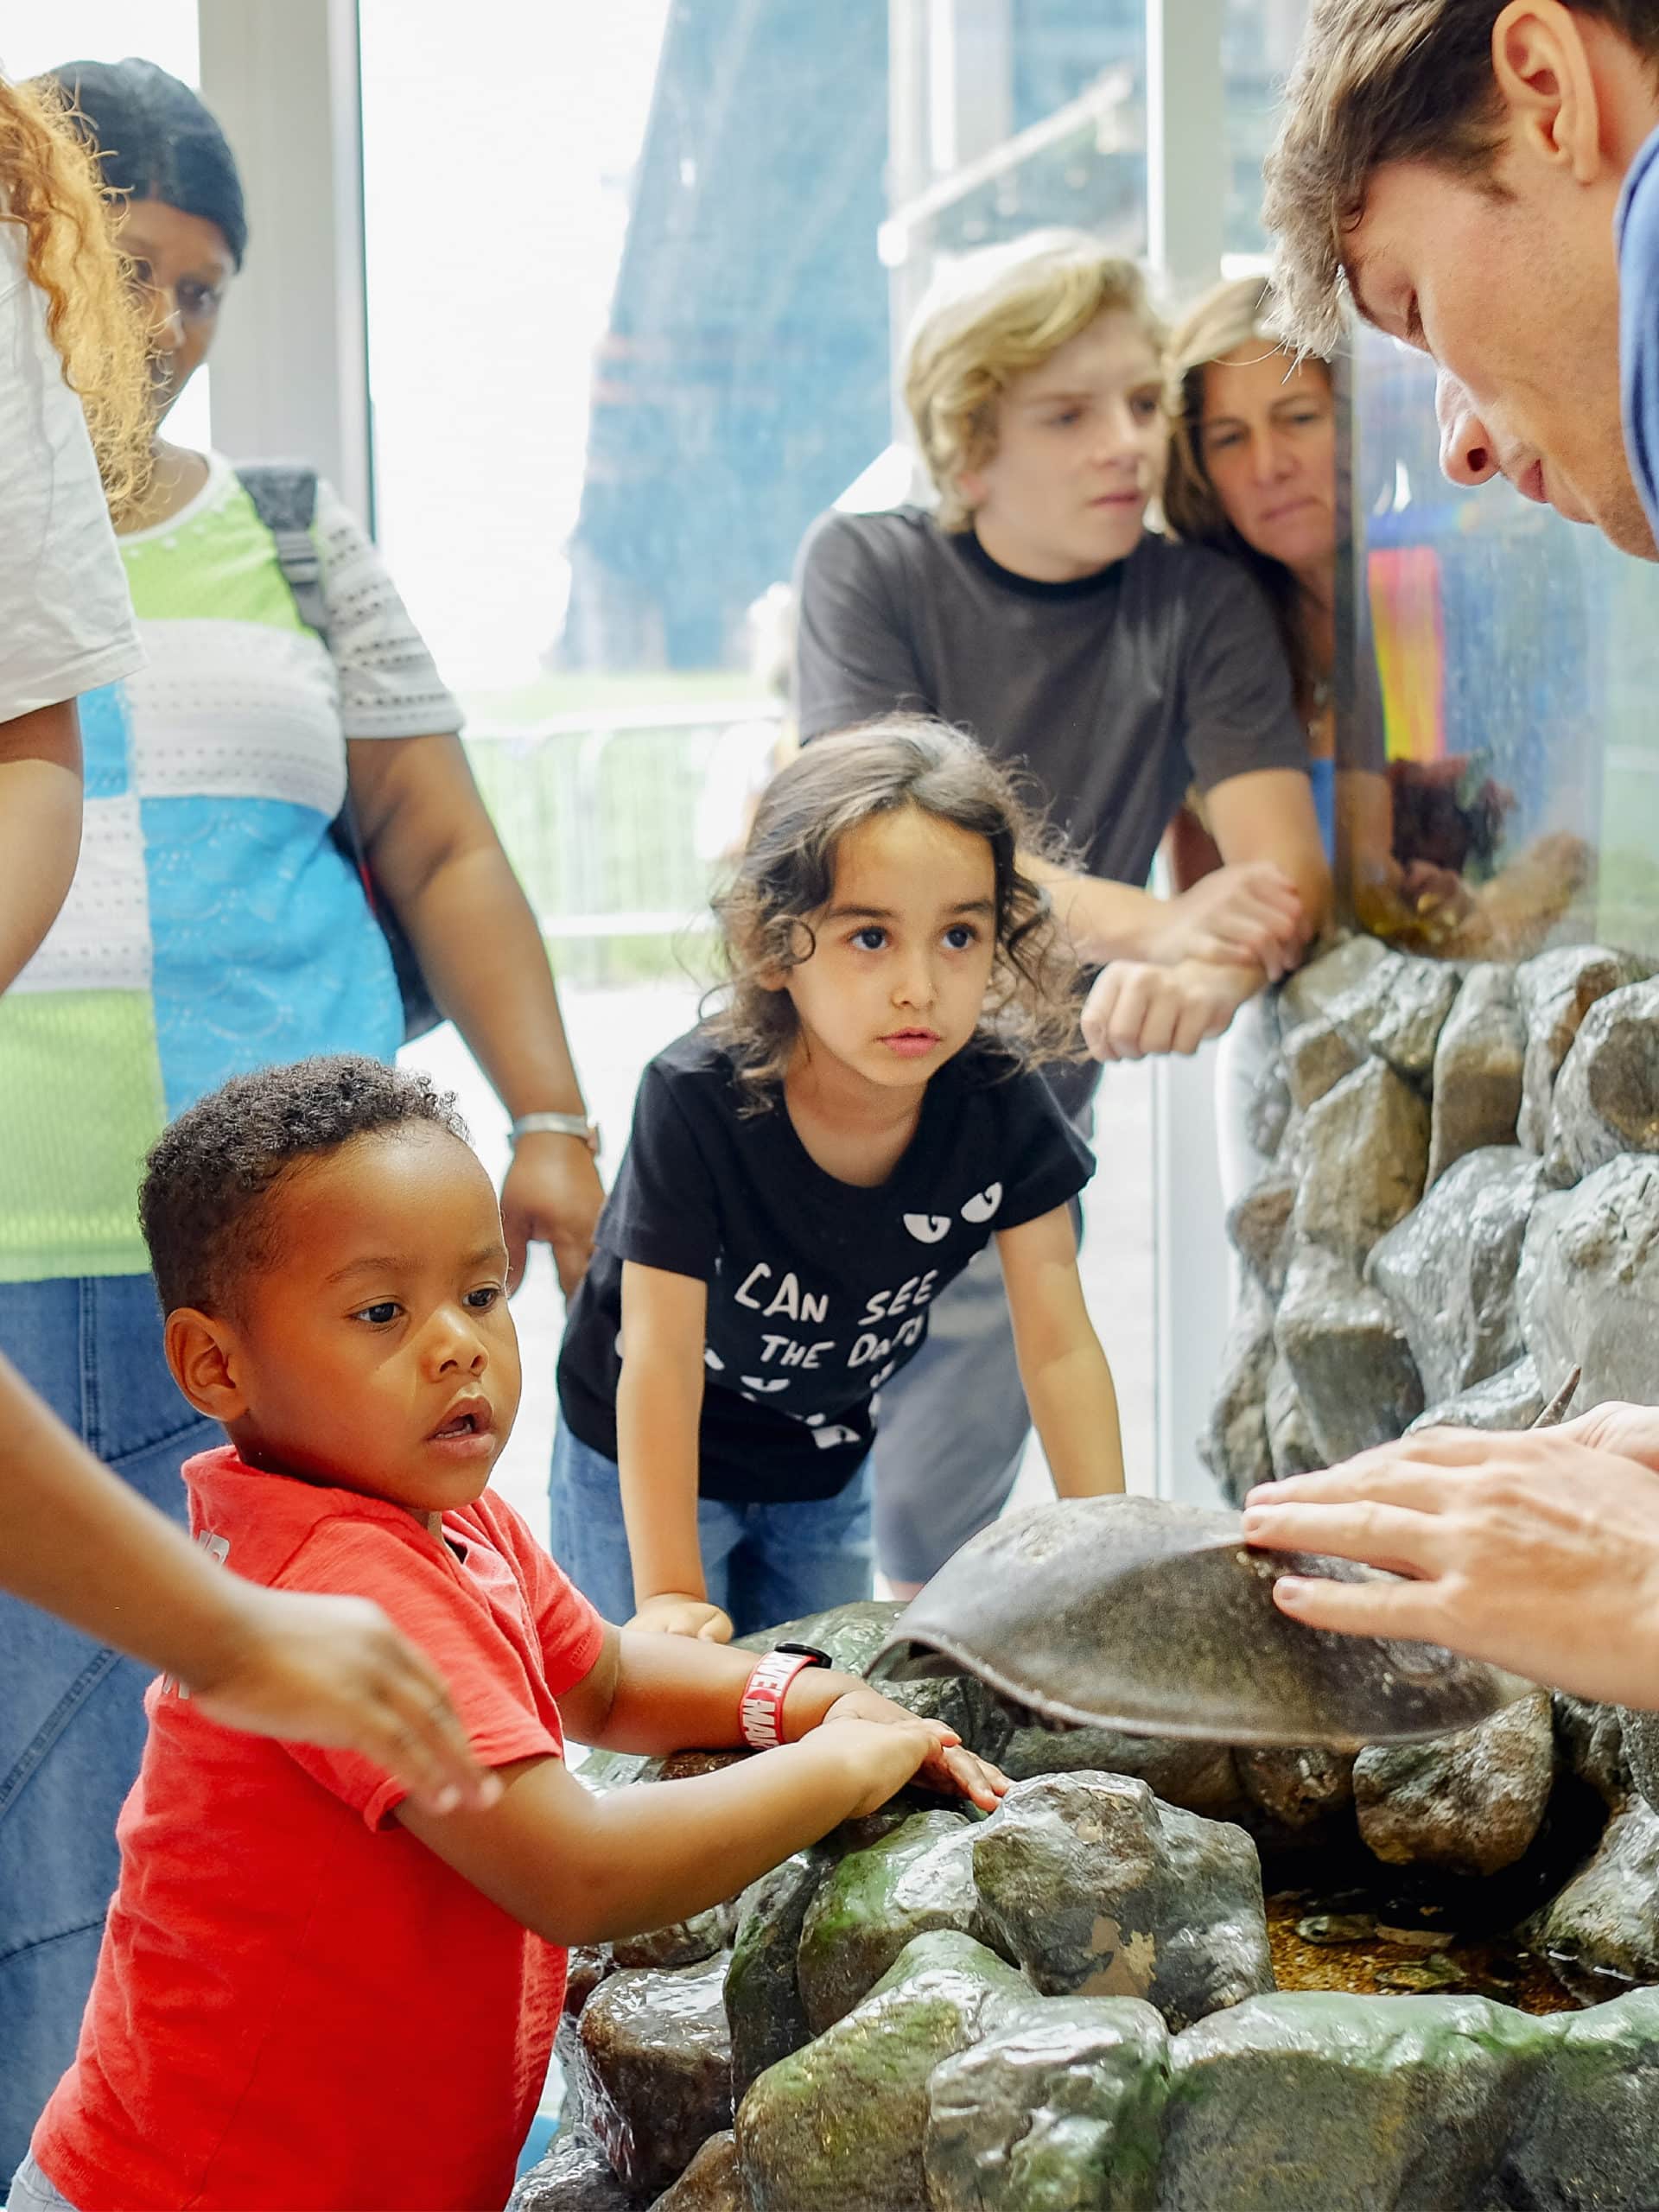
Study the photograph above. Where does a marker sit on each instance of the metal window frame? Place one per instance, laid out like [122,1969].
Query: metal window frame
[290,366]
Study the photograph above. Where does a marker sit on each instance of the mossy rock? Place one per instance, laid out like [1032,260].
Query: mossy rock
[919,1878]
[1320,2103]
[841,2123]
[1059,2111]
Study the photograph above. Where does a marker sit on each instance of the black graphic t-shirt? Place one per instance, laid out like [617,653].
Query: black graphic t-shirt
[818,1290]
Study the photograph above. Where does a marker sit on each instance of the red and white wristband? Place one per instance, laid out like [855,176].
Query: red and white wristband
[761,1712]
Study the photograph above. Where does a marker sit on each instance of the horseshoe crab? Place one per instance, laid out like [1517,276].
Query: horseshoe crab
[1154,1618]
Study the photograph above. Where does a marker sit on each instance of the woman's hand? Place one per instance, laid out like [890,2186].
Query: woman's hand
[552,1194]
[672,1613]
[947,1763]
[334,1671]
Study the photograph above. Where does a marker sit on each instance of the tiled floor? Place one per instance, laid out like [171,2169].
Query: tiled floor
[614,1032]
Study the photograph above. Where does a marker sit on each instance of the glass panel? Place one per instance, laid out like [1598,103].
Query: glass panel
[1517,665]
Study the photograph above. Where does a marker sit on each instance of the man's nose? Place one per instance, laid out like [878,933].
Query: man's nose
[1467,454]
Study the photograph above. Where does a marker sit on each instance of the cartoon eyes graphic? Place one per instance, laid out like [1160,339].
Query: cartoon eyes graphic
[984,1204]
[928,1228]
[826,1439]
[763,1382]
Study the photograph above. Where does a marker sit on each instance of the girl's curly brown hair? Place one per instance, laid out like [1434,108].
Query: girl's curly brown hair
[51,187]
[786,875]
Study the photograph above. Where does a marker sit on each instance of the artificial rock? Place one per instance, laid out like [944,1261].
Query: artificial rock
[1554,991]
[917,1879]
[1589,1291]
[1601,1933]
[843,2122]
[1449,1268]
[1097,1889]
[1320,2103]
[1348,1351]
[1057,2111]
[712,2183]
[654,2062]
[1363,1158]
[1235,1445]
[1478,1062]
[1606,1097]
[1512,1398]
[1468,1803]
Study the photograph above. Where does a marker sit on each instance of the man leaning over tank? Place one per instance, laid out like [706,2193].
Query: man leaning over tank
[1481,183]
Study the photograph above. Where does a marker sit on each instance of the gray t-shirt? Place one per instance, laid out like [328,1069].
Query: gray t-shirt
[1115,692]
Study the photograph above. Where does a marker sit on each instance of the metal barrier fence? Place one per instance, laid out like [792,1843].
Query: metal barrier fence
[617,823]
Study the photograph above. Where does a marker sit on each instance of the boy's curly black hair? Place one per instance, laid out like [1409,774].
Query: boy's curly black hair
[204,1204]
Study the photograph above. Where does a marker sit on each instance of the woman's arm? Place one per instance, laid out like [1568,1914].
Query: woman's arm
[434,848]
[1067,1382]
[39,826]
[322,1670]
[658,1406]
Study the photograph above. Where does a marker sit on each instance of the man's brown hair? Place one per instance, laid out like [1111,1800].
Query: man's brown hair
[1385,80]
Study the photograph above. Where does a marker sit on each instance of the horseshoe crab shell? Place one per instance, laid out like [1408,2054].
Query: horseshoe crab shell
[1154,1618]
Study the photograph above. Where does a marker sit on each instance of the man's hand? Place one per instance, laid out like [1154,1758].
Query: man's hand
[1135,1008]
[948,1764]
[334,1671]
[672,1612]
[1537,1551]
[1249,915]
[552,1195]
[1631,1431]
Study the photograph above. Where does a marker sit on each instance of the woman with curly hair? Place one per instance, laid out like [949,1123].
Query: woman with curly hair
[807,1171]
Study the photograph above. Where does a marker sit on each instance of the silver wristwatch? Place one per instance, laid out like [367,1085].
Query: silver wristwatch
[558,1125]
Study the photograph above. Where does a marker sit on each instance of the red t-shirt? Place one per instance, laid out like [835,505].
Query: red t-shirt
[297,2004]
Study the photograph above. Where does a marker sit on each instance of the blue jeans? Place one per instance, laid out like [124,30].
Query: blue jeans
[762,1564]
[72,1723]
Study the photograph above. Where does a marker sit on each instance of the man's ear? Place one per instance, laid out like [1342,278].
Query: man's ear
[205,1358]
[1548,86]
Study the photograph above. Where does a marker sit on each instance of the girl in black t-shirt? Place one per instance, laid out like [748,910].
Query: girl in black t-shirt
[807,1171]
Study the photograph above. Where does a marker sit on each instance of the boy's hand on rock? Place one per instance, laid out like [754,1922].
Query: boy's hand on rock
[884,1756]
[670,1614]
[947,1765]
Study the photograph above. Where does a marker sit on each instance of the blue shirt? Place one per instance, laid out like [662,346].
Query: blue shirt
[1636,228]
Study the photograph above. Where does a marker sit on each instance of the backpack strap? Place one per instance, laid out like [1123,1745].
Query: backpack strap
[284,496]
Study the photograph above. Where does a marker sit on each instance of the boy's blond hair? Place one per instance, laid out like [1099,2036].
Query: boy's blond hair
[991,317]
[1376,81]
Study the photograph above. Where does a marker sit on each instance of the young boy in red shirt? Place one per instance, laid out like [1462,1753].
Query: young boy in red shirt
[312,1992]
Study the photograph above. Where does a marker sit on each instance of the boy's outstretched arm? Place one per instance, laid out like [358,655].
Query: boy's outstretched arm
[581,1868]
[1067,1381]
[76,1540]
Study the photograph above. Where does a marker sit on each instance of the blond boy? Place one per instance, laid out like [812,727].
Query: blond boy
[1033,608]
